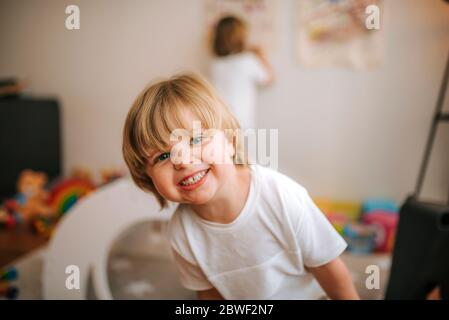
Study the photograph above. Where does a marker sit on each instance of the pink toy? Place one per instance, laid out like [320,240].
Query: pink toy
[385,224]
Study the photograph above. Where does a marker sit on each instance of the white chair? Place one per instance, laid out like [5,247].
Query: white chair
[85,235]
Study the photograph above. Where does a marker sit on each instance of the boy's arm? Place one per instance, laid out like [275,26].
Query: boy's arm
[334,278]
[210,294]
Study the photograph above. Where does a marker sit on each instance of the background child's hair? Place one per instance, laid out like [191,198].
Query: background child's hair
[157,111]
[229,36]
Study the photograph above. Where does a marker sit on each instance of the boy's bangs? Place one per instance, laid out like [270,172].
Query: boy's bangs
[169,115]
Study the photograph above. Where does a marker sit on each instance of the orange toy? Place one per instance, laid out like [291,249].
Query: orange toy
[32,197]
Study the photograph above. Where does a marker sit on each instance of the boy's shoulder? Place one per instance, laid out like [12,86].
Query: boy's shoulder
[281,196]
[279,191]
[272,179]
[176,221]
[178,236]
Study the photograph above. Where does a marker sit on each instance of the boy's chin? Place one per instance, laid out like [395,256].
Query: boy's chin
[198,200]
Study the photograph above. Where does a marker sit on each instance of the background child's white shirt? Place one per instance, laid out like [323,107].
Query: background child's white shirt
[236,78]
[262,254]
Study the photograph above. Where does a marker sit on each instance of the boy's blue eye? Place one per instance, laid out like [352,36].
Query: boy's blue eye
[196,140]
[163,156]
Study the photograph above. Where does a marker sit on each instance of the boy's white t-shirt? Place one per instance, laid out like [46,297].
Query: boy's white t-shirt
[263,253]
[236,78]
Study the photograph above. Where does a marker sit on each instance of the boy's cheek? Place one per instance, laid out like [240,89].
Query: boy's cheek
[162,181]
[165,190]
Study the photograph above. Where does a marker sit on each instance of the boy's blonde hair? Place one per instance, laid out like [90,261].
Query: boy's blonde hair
[157,111]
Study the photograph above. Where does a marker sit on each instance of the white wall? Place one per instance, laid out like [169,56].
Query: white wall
[343,134]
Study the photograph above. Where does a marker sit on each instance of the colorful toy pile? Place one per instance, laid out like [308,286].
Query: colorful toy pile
[367,227]
[40,208]
[7,289]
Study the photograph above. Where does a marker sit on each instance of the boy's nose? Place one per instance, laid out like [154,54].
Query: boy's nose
[186,160]
[181,165]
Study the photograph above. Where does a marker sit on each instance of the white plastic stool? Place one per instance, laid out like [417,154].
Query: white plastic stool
[85,235]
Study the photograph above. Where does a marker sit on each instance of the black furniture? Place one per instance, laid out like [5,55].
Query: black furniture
[421,251]
[30,135]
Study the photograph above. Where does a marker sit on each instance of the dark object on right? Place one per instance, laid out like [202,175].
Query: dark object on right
[438,118]
[421,252]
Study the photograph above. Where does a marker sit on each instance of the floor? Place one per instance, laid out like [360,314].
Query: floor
[130,277]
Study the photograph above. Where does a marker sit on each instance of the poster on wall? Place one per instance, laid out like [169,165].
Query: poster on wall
[341,33]
[260,16]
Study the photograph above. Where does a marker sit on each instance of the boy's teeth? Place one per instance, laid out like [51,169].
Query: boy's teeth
[193,179]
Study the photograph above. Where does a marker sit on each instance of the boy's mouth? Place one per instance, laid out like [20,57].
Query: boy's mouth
[194,180]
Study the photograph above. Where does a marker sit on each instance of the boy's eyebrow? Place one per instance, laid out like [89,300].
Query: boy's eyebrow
[152,158]
[152,154]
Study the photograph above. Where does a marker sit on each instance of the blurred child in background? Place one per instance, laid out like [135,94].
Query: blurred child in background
[237,70]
